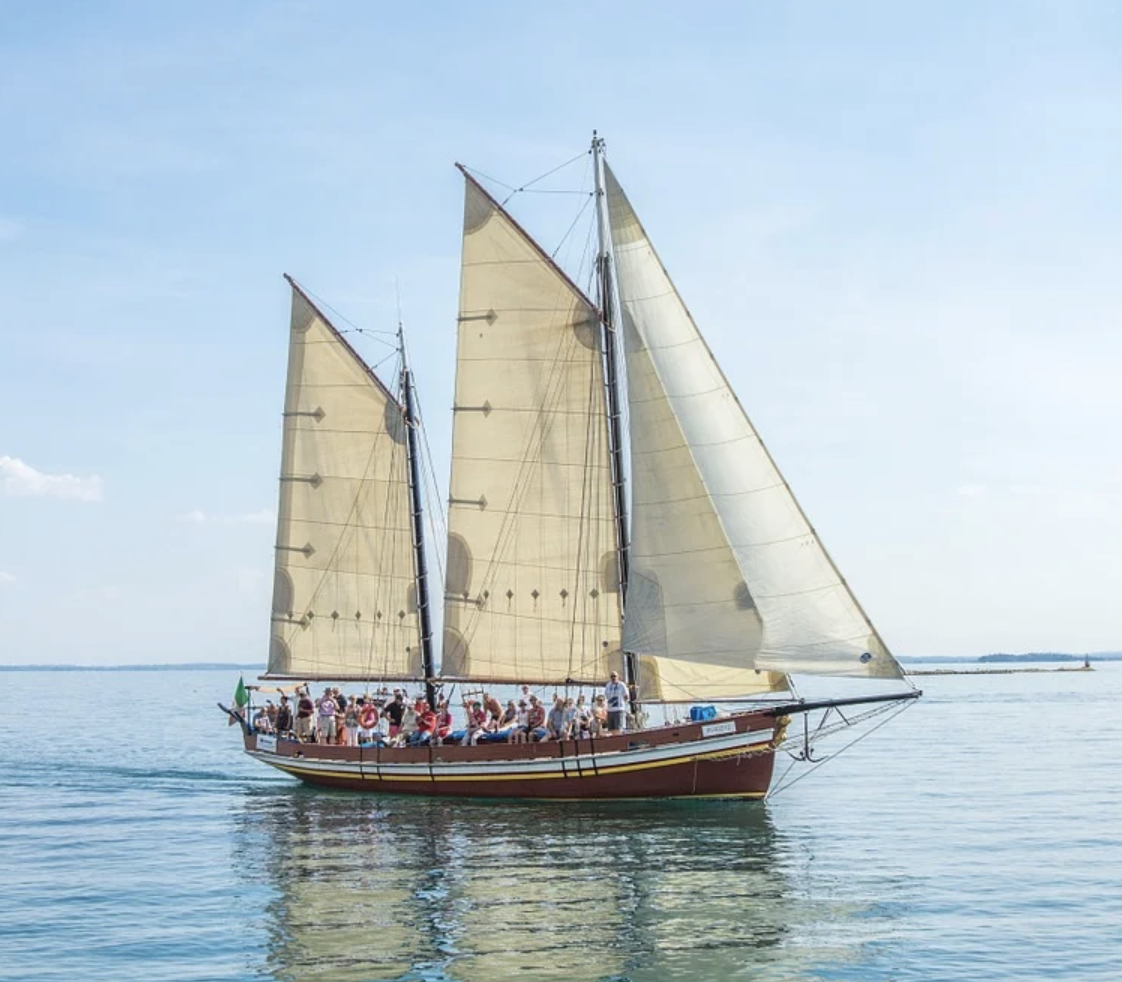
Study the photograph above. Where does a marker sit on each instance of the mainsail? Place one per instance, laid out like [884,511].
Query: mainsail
[729,586]
[532,591]
[343,597]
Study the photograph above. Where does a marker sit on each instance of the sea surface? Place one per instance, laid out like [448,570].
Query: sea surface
[978,836]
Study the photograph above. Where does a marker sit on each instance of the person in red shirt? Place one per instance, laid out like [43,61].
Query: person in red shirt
[426,724]
[443,721]
[535,720]
[477,718]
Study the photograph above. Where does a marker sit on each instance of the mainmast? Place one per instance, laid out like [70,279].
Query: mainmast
[420,566]
[611,378]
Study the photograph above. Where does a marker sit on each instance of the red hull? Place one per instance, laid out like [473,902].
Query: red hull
[732,757]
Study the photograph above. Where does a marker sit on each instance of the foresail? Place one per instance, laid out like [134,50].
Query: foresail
[531,589]
[725,570]
[343,596]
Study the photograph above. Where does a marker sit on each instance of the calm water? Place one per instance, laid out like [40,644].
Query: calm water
[977,836]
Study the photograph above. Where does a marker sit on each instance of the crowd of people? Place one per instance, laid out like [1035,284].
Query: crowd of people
[385,720]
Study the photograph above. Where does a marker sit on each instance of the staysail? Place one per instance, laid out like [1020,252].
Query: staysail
[343,596]
[531,591]
[729,586]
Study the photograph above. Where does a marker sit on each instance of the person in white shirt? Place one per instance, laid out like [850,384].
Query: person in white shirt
[615,692]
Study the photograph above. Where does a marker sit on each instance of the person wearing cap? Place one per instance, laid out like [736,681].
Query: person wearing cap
[328,707]
[615,693]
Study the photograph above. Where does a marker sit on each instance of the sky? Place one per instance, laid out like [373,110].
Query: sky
[897,226]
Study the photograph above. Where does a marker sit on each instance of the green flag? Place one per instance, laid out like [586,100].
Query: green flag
[241,697]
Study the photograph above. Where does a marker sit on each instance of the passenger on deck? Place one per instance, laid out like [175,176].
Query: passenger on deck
[328,707]
[584,719]
[350,721]
[394,711]
[342,735]
[408,725]
[521,724]
[570,729]
[261,723]
[477,718]
[493,706]
[284,717]
[555,722]
[615,692]
[426,724]
[500,730]
[443,721]
[535,720]
[367,722]
[598,725]
[305,714]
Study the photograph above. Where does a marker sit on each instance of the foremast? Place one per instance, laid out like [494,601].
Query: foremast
[610,337]
[420,564]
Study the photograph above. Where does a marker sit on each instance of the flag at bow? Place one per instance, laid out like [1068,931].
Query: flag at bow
[241,700]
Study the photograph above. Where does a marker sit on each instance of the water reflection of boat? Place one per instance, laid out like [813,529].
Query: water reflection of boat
[385,888]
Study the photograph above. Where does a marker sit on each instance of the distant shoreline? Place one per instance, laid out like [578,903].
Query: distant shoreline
[1003,658]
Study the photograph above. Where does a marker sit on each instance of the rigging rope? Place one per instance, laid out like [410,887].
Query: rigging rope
[893,709]
[529,184]
[354,328]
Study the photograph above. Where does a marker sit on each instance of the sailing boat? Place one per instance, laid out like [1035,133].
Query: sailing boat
[670,549]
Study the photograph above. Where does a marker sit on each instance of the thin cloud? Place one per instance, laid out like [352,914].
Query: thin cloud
[970,491]
[199,517]
[6,578]
[18,479]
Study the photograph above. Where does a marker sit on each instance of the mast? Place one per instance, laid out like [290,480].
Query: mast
[419,563]
[611,379]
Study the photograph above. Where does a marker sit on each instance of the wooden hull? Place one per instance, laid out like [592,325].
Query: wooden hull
[727,758]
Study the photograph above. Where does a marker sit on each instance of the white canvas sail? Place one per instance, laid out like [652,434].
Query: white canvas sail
[343,595]
[531,592]
[726,573]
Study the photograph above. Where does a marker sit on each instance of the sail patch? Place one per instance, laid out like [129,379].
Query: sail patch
[457,579]
[478,209]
